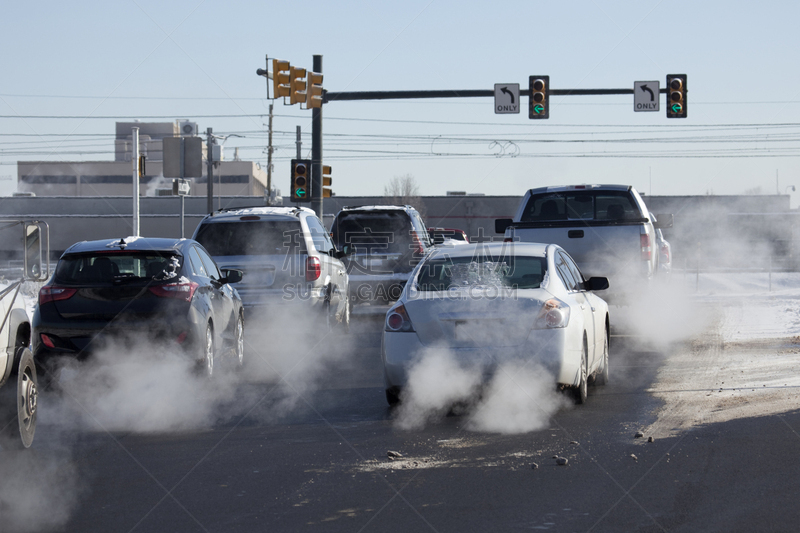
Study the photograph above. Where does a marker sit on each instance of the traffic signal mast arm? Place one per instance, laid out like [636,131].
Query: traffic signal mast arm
[330,96]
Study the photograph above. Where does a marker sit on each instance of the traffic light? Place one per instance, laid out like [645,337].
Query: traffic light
[314,90]
[326,181]
[676,95]
[280,78]
[297,85]
[301,180]
[540,99]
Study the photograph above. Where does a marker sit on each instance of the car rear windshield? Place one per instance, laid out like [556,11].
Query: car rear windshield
[581,205]
[258,237]
[104,267]
[445,273]
[373,231]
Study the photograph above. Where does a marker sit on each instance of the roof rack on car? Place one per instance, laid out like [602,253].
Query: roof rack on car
[223,209]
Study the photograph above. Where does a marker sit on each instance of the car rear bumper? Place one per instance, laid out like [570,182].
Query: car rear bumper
[380,289]
[81,341]
[549,348]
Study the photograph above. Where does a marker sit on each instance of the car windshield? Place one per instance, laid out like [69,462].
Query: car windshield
[581,205]
[376,231]
[263,237]
[445,273]
[104,267]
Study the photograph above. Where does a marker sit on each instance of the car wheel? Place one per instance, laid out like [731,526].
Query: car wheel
[602,376]
[393,396]
[206,361]
[582,390]
[19,405]
[238,343]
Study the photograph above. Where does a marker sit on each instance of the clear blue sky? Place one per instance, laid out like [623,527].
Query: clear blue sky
[185,60]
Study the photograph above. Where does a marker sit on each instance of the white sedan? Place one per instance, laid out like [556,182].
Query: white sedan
[494,302]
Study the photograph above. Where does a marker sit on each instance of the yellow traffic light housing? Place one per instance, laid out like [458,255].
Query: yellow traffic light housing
[676,95]
[297,85]
[314,90]
[326,181]
[300,186]
[280,78]
[540,99]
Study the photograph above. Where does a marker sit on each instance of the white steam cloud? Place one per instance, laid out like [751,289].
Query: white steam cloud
[519,397]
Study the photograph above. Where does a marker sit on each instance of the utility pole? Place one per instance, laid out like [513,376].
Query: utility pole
[210,160]
[135,160]
[316,149]
[269,158]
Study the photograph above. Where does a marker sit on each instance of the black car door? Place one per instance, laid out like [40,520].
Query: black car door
[221,294]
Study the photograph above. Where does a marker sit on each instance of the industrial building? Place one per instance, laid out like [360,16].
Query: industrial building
[114,178]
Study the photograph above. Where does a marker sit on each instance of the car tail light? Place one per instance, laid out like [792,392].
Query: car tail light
[665,252]
[554,314]
[397,320]
[313,269]
[647,250]
[47,341]
[418,243]
[53,293]
[181,291]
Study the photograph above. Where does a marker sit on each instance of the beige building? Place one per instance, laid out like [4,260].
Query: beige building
[114,178]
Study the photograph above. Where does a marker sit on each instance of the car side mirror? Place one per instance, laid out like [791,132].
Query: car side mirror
[596,284]
[344,252]
[502,224]
[232,275]
[664,221]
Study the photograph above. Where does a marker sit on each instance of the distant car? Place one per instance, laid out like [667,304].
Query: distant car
[384,243]
[497,302]
[447,236]
[164,290]
[287,256]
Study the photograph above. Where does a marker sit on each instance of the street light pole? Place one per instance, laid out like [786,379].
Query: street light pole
[316,149]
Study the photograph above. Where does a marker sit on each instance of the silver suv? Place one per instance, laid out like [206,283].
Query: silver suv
[286,255]
[383,243]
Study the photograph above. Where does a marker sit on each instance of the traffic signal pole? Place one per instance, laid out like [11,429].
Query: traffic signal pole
[316,150]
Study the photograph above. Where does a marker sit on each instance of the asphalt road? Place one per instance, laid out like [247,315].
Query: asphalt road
[322,464]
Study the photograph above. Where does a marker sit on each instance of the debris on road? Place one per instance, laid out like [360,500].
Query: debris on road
[634,457]
[561,461]
[392,455]
[650,439]
[638,435]
[534,466]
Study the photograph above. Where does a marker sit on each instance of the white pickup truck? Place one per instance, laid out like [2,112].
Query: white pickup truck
[18,382]
[607,229]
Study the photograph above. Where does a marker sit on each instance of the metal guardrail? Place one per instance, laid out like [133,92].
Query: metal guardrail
[770,267]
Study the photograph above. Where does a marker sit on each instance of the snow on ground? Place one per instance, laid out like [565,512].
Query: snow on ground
[746,361]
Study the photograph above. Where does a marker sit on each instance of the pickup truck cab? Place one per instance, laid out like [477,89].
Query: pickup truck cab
[18,379]
[607,229]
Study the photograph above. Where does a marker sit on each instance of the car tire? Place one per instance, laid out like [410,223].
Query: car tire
[238,343]
[581,392]
[602,375]
[18,405]
[206,359]
[393,396]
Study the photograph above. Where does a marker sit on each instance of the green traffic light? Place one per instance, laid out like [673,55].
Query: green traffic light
[300,193]
[538,109]
[676,108]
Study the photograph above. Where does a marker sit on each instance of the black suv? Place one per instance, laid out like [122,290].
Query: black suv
[383,243]
[164,290]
